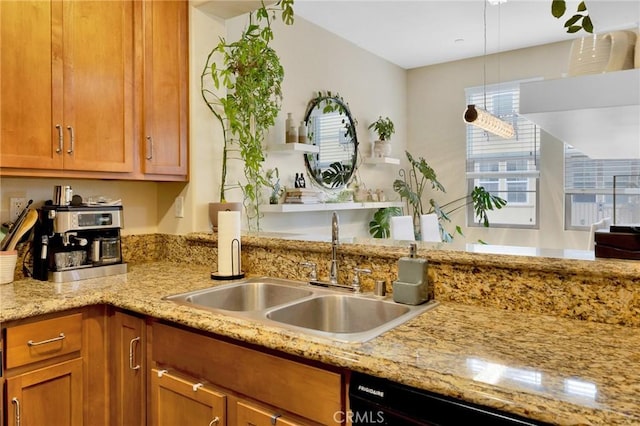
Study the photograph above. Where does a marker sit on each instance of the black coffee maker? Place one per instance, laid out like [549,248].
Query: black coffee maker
[77,242]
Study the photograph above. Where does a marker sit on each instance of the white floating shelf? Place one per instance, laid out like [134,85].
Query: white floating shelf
[382,160]
[293,147]
[292,208]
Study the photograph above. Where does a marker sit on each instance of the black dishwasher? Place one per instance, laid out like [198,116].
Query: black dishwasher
[376,401]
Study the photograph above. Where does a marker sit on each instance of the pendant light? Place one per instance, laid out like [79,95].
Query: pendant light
[479,117]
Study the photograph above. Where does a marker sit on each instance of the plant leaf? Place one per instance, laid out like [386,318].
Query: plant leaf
[587,25]
[558,8]
[582,7]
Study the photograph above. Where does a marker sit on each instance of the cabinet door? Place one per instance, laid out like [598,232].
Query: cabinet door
[129,356]
[179,400]
[165,87]
[251,415]
[98,85]
[30,84]
[47,396]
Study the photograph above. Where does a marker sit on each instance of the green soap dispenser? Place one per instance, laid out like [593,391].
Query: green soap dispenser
[412,286]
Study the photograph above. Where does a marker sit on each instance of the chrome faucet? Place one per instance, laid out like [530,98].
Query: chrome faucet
[335,240]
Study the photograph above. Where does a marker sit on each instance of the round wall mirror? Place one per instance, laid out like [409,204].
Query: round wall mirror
[331,127]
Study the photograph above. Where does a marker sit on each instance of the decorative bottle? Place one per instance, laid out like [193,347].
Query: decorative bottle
[302,132]
[288,124]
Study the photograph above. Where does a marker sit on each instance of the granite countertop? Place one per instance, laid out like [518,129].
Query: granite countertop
[557,370]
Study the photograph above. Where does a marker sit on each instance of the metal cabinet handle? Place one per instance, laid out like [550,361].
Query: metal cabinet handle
[44,342]
[16,402]
[215,421]
[150,145]
[70,150]
[132,344]
[60,139]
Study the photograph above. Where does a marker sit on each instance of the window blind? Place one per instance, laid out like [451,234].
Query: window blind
[502,100]
[583,174]
[508,168]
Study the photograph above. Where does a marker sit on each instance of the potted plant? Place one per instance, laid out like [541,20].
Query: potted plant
[273,179]
[250,74]
[411,188]
[384,128]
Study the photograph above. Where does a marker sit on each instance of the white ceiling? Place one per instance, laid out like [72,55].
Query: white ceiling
[414,33]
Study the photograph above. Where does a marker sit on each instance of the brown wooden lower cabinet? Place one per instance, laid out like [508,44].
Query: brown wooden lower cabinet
[47,396]
[261,388]
[101,366]
[178,399]
[249,414]
[128,363]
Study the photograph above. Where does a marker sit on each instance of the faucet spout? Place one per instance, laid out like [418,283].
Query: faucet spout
[335,240]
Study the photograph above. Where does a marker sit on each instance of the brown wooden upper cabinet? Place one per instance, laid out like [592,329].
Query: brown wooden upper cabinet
[164,147]
[67,85]
[94,89]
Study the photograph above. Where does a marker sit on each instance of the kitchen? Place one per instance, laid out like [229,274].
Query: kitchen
[141,221]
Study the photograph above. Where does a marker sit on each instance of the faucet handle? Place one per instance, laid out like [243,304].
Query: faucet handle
[356,277]
[313,275]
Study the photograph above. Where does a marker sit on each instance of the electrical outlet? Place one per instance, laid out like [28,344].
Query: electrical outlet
[16,205]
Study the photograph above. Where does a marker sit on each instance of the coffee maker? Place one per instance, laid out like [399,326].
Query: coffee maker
[73,243]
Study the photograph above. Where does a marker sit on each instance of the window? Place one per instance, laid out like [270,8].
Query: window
[507,168]
[330,128]
[588,189]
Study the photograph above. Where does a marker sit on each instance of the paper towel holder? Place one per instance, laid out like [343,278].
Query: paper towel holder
[235,247]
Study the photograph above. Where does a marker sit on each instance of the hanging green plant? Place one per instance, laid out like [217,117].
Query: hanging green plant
[251,75]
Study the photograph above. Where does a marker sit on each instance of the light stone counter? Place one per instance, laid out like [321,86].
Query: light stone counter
[560,370]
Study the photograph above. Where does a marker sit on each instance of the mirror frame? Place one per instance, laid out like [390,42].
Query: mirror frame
[343,107]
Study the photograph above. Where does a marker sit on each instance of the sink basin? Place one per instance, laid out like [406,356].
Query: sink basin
[293,305]
[245,296]
[339,313]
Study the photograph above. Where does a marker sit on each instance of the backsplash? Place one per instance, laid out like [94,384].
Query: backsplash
[606,291]
[602,290]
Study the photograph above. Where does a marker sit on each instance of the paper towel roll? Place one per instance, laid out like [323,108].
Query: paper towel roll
[229,243]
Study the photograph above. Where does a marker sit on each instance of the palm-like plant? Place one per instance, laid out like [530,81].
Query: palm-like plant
[421,176]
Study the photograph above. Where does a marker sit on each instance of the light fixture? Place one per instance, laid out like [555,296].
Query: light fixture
[488,122]
[480,117]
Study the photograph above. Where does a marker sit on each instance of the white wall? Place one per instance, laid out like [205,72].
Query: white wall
[425,103]
[436,102]
[316,60]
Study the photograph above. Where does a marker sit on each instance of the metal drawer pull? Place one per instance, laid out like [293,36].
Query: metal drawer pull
[162,373]
[215,421]
[44,342]
[150,142]
[274,418]
[60,139]
[15,401]
[196,386]
[70,150]
[131,354]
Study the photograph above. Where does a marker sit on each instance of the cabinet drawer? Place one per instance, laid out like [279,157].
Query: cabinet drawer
[252,415]
[41,340]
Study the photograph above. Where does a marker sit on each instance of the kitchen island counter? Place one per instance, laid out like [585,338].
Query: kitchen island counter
[562,371]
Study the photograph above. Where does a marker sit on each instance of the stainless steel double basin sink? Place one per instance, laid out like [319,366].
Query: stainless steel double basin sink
[298,306]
